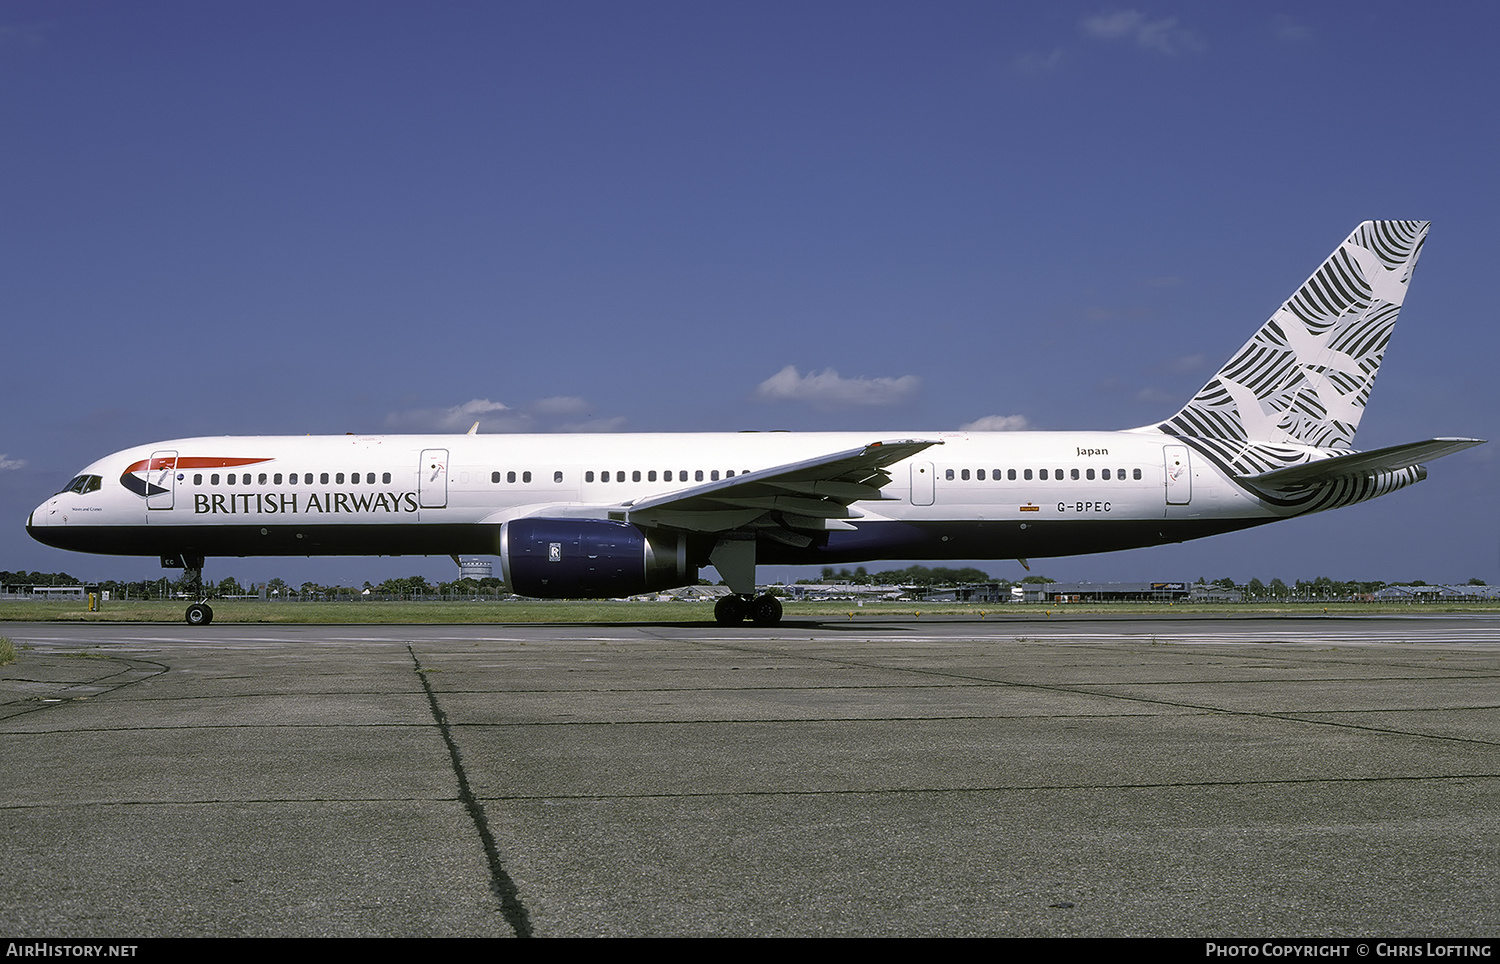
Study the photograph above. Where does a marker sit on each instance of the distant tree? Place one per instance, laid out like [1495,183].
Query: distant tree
[1476,581]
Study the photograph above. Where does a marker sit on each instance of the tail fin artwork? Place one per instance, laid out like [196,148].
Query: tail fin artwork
[1305,377]
[1301,383]
[1280,416]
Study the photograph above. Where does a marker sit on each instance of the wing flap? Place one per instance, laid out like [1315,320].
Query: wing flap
[796,496]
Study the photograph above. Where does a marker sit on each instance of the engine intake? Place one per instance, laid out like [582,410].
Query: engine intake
[591,558]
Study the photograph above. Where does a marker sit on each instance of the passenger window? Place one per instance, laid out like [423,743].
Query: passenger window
[1073,474]
[964,475]
[229,478]
[338,479]
[651,476]
[714,475]
[510,476]
[198,479]
[525,476]
[1028,475]
[1011,474]
[979,475]
[557,476]
[948,475]
[1089,475]
[386,477]
[261,479]
[1044,475]
[323,478]
[213,479]
[698,475]
[635,476]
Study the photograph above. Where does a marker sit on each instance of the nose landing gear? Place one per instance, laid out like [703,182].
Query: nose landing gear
[199,613]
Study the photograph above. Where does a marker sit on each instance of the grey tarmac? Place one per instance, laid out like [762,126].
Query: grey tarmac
[1036,776]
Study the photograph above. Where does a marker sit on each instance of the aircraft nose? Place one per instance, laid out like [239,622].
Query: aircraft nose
[41,518]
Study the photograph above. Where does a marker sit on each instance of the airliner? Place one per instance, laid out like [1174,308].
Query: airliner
[602,516]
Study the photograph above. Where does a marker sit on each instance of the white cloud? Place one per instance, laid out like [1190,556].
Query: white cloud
[492,416]
[829,388]
[1162,35]
[1290,31]
[541,415]
[1187,364]
[1155,396]
[613,424]
[997,423]
[1034,63]
[7,463]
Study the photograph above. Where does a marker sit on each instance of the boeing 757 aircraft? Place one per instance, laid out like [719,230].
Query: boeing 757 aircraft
[1269,437]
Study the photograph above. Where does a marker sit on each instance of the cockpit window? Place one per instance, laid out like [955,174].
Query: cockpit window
[83,484]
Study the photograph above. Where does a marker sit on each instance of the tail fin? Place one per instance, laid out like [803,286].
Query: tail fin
[1306,375]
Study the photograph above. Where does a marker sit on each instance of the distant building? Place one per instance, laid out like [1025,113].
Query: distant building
[1422,594]
[475,567]
[1096,592]
[1079,592]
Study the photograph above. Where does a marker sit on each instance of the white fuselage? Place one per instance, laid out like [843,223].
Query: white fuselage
[975,495]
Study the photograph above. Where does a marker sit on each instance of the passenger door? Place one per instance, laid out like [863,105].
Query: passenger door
[161,480]
[432,480]
[922,492]
[1179,475]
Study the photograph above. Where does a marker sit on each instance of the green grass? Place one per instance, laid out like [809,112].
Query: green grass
[607,611]
[7,651]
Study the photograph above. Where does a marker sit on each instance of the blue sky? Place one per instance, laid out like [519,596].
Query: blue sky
[277,218]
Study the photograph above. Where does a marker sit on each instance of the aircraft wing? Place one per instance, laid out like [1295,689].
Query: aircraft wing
[784,501]
[1359,463]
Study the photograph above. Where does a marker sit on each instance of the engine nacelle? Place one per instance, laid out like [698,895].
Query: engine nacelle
[591,558]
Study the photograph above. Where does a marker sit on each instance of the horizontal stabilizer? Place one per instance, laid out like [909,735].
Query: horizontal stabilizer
[1389,459]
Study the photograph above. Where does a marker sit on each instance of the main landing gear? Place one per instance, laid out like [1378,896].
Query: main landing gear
[734,556]
[760,610]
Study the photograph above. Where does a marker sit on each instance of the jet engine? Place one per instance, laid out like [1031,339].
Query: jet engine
[591,558]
